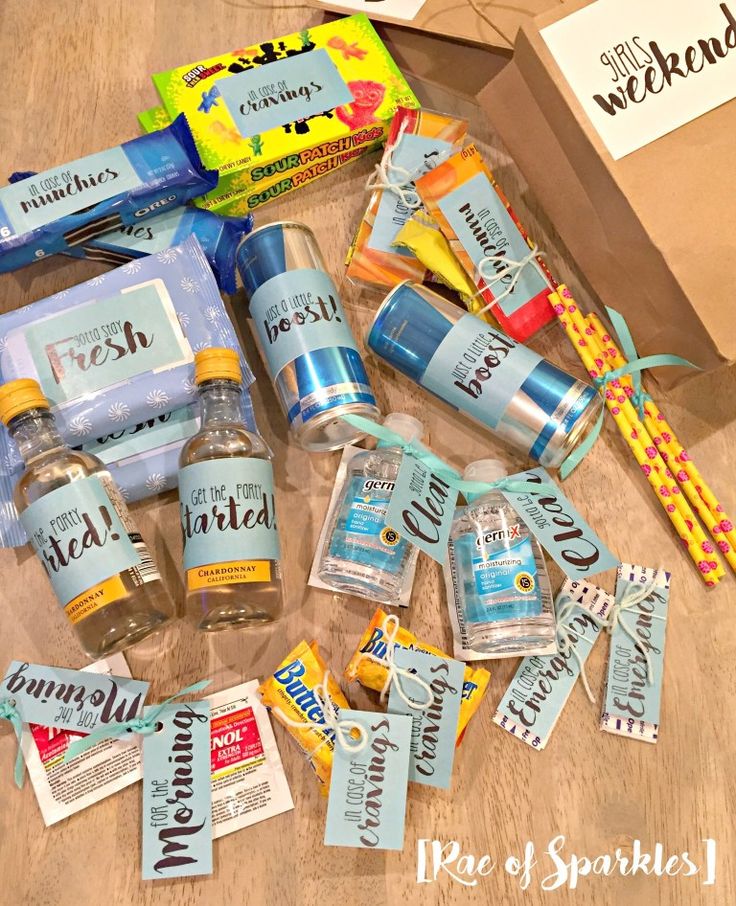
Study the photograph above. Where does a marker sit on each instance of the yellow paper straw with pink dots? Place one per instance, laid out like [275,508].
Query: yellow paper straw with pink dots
[636,436]
[704,501]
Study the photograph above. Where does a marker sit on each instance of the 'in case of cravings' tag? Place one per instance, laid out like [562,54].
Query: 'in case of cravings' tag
[71,699]
[422,508]
[367,804]
[177,793]
[561,530]
[434,728]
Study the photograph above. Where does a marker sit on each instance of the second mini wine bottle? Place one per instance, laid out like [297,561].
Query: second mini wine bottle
[228,520]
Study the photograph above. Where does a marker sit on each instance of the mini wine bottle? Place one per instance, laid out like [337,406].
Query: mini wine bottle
[226,497]
[362,555]
[78,524]
[497,572]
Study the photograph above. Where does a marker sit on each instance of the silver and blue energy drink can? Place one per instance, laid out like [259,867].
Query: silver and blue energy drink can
[303,336]
[527,401]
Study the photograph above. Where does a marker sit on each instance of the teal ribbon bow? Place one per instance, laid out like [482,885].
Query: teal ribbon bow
[144,726]
[442,470]
[632,369]
[9,712]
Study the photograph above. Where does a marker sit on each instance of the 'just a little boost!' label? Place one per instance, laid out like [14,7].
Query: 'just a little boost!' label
[228,522]
[295,313]
[83,545]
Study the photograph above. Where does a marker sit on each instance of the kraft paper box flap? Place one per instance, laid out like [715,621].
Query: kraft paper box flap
[644,229]
[491,23]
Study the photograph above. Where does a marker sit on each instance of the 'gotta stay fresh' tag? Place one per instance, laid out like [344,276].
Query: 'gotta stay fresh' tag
[367,804]
[71,699]
[434,728]
[177,793]
[560,529]
[421,508]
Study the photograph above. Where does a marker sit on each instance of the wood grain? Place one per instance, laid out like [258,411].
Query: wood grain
[76,73]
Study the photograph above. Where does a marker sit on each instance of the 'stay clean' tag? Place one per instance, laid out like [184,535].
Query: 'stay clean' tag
[71,699]
[434,728]
[533,702]
[561,530]
[367,804]
[177,793]
[421,508]
[632,703]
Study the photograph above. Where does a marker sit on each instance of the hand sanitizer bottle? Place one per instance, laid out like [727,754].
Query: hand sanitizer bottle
[500,582]
[362,555]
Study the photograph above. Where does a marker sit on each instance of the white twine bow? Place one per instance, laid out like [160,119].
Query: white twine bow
[394,673]
[342,728]
[567,636]
[629,604]
[512,267]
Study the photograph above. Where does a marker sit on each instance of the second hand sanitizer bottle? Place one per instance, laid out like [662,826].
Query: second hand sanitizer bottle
[362,555]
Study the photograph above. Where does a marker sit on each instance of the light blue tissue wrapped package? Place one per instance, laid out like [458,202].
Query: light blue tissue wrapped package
[114,352]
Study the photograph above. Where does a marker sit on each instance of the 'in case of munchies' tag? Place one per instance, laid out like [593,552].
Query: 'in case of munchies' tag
[422,507]
[367,804]
[434,728]
[74,700]
[177,793]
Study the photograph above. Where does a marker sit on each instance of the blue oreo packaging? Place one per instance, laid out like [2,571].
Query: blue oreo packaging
[46,213]
[114,353]
[218,236]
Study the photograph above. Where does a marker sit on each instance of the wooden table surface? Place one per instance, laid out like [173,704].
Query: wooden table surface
[75,75]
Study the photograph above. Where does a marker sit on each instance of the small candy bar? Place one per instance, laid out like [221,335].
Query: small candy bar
[46,213]
[218,236]
[373,675]
[290,696]
[485,235]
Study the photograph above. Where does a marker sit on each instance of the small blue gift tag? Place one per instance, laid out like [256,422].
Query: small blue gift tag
[71,699]
[177,793]
[434,728]
[561,530]
[632,703]
[421,508]
[367,804]
[541,686]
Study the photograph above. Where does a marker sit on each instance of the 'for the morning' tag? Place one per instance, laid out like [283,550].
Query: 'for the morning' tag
[367,804]
[177,793]
[71,699]
[561,530]
[631,706]
[541,686]
[422,507]
[434,728]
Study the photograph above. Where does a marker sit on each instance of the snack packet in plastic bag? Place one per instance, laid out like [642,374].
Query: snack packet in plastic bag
[417,141]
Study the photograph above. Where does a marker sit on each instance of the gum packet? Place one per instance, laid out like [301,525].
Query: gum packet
[373,675]
[218,236]
[113,352]
[289,693]
[487,238]
[418,141]
[108,767]
[248,780]
[50,212]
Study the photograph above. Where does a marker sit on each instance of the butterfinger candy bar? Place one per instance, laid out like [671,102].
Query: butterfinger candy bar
[487,238]
[290,696]
[46,213]
[373,675]
[218,236]
[418,141]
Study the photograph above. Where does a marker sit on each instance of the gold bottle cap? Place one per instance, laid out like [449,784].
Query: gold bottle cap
[20,396]
[217,363]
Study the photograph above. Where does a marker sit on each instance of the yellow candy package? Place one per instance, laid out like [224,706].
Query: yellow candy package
[418,141]
[373,675]
[293,696]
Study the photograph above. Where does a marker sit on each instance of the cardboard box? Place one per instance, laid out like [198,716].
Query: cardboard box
[651,231]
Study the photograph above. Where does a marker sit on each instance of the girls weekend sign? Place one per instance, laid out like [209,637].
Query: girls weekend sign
[642,68]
